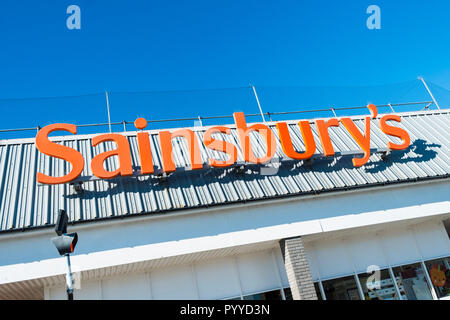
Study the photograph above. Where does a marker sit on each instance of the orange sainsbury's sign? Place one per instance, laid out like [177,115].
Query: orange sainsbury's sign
[125,168]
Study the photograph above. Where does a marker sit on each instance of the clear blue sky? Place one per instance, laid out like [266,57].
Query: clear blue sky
[128,46]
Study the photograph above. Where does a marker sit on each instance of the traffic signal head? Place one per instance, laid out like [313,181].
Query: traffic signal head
[65,243]
[61,222]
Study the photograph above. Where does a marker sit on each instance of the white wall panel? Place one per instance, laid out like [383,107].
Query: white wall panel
[364,250]
[312,262]
[217,279]
[57,293]
[281,269]
[432,240]
[89,290]
[257,272]
[331,259]
[174,283]
[399,246]
[129,287]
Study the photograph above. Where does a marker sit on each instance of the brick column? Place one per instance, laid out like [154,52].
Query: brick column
[297,269]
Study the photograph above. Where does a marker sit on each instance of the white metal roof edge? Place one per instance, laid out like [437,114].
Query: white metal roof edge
[133,218]
[150,252]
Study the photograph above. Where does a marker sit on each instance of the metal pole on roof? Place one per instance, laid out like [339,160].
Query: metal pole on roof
[259,105]
[107,106]
[332,110]
[429,91]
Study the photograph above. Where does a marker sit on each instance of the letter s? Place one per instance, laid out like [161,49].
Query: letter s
[220,145]
[394,131]
[44,145]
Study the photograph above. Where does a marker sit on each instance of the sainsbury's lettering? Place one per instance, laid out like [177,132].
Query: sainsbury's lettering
[125,167]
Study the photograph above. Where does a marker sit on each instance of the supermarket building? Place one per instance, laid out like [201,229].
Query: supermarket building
[290,229]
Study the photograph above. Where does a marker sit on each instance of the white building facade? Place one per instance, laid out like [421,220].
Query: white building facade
[320,230]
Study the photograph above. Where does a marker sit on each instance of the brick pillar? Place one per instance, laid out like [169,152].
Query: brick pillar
[297,269]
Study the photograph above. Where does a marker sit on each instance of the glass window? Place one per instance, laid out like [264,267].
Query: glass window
[288,293]
[378,289]
[316,286]
[269,295]
[412,282]
[235,298]
[341,289]
[440,276]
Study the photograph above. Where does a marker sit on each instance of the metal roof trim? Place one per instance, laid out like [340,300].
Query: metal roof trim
[220,206]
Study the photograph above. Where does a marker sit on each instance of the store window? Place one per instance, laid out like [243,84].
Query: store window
[341,289]
[288,293]
[270,295]
[379,286]
[318,293]
[412,282]
[440,276]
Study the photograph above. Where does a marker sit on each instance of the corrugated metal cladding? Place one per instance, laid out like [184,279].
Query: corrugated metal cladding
[26,204]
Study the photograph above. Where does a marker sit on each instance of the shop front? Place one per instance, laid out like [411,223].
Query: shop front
[329,209]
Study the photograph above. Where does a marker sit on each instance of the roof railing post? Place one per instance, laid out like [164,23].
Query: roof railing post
[429,91]
[390,106]
[426,107]
[124,125]
[107,107]
[259,105]
[332,110]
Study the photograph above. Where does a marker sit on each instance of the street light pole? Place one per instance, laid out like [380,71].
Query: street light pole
[69,279]
[65,244]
